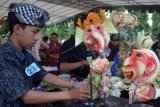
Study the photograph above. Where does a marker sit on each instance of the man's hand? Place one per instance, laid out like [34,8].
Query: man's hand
[81,93]
[84,62]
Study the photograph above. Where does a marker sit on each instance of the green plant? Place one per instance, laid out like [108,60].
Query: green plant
[64,30]
[156,24]
[142,22]
[4,29]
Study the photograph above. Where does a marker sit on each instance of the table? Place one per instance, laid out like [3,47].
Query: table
[111,102]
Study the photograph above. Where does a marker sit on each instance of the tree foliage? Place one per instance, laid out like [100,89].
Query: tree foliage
[156,24]
[64,30]
[4,29]
[142,22]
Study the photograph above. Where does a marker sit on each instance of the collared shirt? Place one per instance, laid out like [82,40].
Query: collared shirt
[19,71]
[70,54]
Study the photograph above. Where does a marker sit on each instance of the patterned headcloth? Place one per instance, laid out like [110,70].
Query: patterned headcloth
[27,14]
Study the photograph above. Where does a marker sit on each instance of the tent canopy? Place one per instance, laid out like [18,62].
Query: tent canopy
[63,9]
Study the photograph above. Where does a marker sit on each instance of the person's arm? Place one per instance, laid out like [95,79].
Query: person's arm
[53,79]
[15,87]
[54,56]
[64,66]
[44,45]
[35,97]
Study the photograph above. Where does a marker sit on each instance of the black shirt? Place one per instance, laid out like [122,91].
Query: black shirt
[156,46]
[70,54]
[114,51]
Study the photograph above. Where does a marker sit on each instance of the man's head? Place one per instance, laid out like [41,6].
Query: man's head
[114,39]
[45,39]
[25,21]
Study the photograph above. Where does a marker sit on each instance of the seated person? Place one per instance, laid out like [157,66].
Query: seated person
[90,40]
[73,59]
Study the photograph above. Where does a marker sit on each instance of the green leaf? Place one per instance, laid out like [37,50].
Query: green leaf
[111,63]
[98,78]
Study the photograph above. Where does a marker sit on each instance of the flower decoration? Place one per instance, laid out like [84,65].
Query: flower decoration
[79,23]
[102,15]
[99,65]
[92,18]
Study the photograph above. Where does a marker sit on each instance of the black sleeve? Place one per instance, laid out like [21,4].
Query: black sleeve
[64,50]
[38,77]
[154,46]
[63,56]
